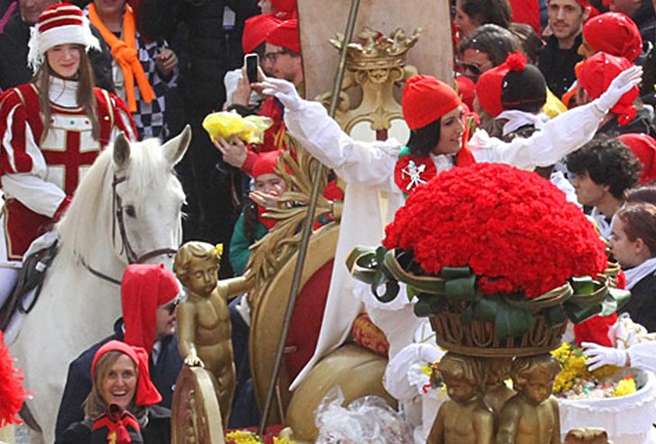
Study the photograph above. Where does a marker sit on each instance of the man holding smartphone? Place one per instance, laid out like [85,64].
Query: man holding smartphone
[282,59]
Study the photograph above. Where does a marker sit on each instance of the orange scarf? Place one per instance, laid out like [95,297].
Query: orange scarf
[126,54]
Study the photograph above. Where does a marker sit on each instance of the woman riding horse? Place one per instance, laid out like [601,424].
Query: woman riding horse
[53,127]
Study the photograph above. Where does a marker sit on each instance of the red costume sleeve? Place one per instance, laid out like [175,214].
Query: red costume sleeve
[15,131]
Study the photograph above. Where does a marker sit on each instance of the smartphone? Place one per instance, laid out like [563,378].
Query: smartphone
[251,61]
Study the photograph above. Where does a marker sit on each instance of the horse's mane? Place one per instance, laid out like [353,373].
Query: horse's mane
[90,212]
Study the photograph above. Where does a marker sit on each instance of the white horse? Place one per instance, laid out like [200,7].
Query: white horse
[126,209]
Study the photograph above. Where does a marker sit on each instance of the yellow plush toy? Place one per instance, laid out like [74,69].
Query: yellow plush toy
[225,125]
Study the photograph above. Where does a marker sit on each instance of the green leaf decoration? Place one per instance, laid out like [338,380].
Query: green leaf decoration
[461,289]
[577,313]
[511,320]
[455,273]
[485,309]
[583,285]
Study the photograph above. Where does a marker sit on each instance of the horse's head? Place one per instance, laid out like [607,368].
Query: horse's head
[129,203]
[147,198]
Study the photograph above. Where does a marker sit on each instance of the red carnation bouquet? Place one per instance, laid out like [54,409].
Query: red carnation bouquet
[493,245]
[514,229]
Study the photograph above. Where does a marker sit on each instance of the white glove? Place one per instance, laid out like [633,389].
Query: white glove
[620,85]
[598,356]
[429,353]
[284,91]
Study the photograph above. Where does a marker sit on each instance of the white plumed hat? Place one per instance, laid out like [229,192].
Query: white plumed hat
[59,24]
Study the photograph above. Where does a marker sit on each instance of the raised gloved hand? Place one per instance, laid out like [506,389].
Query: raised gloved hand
[284,91]
[627,79]
[598,356]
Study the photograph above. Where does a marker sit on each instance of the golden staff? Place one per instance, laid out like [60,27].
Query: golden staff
[307,227]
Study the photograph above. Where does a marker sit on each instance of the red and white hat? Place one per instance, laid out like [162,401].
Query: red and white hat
[59,24]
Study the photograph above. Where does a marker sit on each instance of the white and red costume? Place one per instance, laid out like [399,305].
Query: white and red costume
[40,170]
[39,175]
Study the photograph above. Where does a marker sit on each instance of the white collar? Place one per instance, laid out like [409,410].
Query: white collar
[639,272]
[63,92]
[517,119]
[602,223]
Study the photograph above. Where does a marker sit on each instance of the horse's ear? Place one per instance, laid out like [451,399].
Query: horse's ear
[121,152]
[175,148]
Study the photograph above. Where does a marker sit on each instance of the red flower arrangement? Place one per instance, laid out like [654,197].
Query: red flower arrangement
[514,229]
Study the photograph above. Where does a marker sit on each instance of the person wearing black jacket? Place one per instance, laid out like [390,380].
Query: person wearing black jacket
[560,54]
[207,38]
[145,288]
[13,47]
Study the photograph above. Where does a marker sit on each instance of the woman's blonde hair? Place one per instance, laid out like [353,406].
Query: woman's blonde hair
[95,405]
[85,95]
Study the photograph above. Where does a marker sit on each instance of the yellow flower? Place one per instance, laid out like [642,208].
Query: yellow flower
[242,437]
[625,387]
[283,440]
[218,250]
[426,369]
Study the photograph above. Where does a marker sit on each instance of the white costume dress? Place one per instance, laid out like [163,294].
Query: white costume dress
[371,196]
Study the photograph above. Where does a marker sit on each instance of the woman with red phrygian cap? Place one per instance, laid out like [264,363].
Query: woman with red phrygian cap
[149,296]
[121,408]
[434,114]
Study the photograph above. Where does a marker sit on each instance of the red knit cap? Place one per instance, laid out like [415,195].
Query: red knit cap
[615,34]
[426,99]
[286,35]
[644,148]
[512,85]
[144,288]
[146,392]
[595,73]
[489,89]
[256,29]
[266,163]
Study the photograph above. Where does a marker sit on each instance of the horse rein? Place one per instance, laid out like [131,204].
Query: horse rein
[126,247]
[132,257]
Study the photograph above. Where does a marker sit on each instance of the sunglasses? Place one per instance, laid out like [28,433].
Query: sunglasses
[472,68]
[170,307]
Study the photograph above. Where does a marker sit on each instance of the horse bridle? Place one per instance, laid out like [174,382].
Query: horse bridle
[126,247]
[117,209]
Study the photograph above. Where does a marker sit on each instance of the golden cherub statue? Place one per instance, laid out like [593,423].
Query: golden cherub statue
[531,416]
[203,318]
[463,419]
